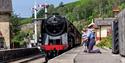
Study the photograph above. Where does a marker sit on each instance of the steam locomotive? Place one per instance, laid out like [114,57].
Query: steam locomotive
[58,34]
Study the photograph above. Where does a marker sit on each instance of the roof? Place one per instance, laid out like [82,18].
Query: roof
[105,21]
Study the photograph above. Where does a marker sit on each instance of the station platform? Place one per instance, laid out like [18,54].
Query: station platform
[77,55]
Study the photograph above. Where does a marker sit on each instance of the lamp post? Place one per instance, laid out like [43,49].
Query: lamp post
[35,17]
[46,9]
[35,24]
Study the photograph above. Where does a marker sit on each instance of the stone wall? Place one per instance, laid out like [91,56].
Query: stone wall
[5,13]
[5,29]
[4,18]
[5,6]
[30,26]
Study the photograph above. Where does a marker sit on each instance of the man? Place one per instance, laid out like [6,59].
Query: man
[91,40]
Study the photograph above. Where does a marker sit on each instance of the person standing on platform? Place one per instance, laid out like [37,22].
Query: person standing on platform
[84,39]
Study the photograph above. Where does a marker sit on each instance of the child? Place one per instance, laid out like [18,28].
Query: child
[84,39]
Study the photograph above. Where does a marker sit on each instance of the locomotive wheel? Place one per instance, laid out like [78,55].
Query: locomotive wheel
[55,52]
[71,42]
[46,58]
[50,55]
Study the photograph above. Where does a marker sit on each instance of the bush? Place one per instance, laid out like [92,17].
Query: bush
[18,39]
[105,42]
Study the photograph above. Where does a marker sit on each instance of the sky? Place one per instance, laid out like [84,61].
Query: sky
[23,8]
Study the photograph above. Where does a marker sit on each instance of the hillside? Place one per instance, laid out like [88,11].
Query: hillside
[85,10]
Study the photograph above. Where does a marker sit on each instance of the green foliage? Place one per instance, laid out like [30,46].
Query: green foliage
[84,2]
[78,25]
[61,4]
[122,1]
[14,24]
[83,9]
[71,17]
[25,21]
[41,13]
[17,21]
[19,38]
[17,35]
[122,6]
[105,42]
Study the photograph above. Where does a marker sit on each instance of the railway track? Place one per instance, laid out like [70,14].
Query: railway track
[33,59]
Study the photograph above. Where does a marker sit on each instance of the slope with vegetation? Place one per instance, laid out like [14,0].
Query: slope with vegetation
[17,36]
[85,10]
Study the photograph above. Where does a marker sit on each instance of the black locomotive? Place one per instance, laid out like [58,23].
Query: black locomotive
[58,34]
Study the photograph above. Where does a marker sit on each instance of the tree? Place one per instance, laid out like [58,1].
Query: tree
[15,24]
[61,4]
[84,9]
[17,36]
[51,9]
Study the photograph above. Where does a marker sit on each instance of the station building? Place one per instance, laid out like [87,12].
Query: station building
[103,27]
[5,13]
